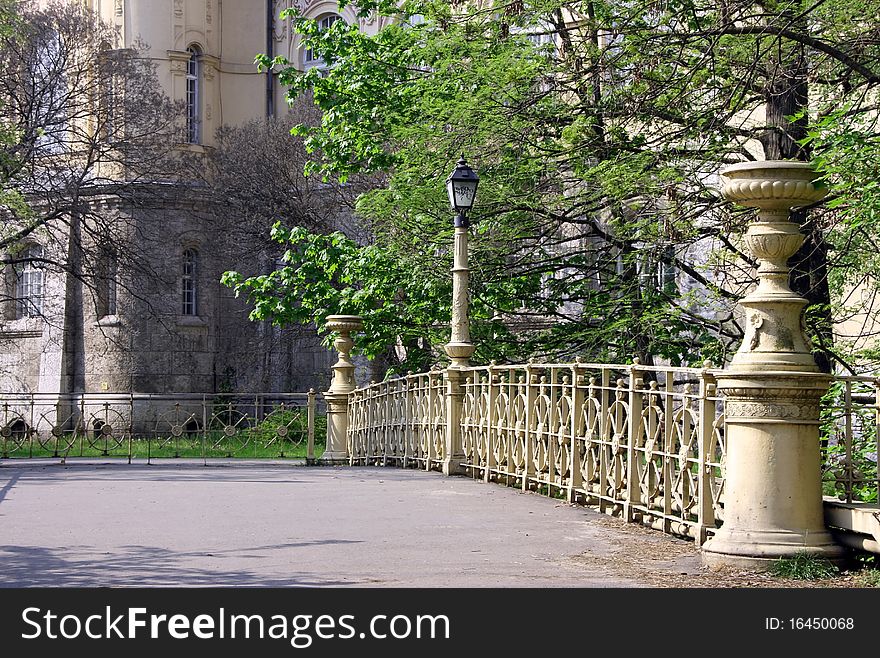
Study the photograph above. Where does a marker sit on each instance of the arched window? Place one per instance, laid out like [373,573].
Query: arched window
[29,283]
[193,96]
[189,280]
[310,58]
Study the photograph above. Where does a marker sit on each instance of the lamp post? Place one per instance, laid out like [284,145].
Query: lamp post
[462,189]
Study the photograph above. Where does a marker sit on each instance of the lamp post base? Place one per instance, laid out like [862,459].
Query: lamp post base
[459,353]
[454,465]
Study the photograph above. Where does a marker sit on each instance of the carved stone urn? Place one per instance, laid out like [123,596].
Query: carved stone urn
[772,488]
[774,337]
[342,384]
[343,370]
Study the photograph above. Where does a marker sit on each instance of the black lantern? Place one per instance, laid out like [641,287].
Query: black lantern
[462,189]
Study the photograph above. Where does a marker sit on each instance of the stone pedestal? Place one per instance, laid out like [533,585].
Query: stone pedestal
[773,494]
[336,451]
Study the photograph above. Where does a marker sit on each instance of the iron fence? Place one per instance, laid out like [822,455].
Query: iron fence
[145,426]
[399,422]
[645,442]
[850,440]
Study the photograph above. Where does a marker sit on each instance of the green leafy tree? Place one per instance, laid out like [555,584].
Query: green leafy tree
[598,129]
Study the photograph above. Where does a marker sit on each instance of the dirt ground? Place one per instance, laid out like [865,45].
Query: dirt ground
[638,554]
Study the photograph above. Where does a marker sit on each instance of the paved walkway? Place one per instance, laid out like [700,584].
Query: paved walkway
[263,525]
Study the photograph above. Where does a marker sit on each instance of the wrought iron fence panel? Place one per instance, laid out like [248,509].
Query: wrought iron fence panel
[503,434]
[646,442]
[227,432]
[587,439]
[849,439]
[684,456]
[106,428]
[651,462]
[177,432]
[715,460]
[16,428]
[357,425]
[469,429]
[425,447]
[562,434]
[362,433]
[518,424]
[58,432]
[143,426]
[482,419]
[399,422]
[614,442]
[437,427]
[285,428]
[417,441]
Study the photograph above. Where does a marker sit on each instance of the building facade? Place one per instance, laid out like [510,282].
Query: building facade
[167,325]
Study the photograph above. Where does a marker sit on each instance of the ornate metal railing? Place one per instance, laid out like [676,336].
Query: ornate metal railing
[399,422]
[644,442]
[157,426]
[850,435]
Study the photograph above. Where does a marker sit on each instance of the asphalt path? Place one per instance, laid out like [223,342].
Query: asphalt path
[185,524]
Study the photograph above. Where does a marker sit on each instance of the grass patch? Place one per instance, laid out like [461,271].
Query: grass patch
[868,578]
[194,448]
[804,566]
[868,574]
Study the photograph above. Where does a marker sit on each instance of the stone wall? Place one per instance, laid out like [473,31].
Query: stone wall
[148,345]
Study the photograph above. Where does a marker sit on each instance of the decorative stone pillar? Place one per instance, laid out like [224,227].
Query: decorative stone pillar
[773,493]
[336,451]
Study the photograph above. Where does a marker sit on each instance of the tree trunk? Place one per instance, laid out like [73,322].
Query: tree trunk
[785,94]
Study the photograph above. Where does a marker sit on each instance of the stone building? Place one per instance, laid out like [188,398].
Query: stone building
[172,327]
